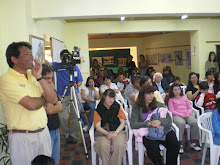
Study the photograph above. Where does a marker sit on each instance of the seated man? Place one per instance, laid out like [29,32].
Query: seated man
[119,82]
[132,88]
[205,99]
[108,85]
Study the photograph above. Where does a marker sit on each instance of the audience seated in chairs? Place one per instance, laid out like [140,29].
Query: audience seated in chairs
[119,82]
[157,82]
[205,99]
[210,79]
[144,107]
[182,114]
[110,137]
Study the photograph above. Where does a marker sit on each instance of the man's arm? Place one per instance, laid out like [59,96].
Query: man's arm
[32,103]
[53,108]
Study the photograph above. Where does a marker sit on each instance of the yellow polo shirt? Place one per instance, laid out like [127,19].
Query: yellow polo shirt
[13,87]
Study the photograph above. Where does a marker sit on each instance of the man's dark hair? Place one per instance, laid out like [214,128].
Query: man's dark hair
[204,85]
[176,78]
[43,160]
[143,80]
[106,77]
[119,74]
[46,69]
[135,77]
[63,52]
[12,51]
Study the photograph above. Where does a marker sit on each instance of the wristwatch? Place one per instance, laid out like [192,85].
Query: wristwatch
[40,78]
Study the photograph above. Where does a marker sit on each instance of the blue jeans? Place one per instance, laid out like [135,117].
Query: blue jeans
[91,111]
[55,145]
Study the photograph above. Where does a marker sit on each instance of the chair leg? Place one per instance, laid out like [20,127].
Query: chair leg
[188,134]
[204,153]
[100,161]
[164,156]
[141,150]
[93,156]
[124,159]
[130,156]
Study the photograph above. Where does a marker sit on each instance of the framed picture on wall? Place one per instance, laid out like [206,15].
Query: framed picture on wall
[122,61]
[37,48]
[99,59]
[178,58]
[188,58]
[152,59]
[166,58]
[108,60]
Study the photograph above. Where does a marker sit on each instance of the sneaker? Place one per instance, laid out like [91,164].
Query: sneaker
[194,146]
[181,149]
[85,129]
[71,140]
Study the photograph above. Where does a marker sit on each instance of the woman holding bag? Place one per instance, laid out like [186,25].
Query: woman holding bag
[146,105]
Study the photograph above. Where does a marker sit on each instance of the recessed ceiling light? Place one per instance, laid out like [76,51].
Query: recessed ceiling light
[122,18]
[184,17]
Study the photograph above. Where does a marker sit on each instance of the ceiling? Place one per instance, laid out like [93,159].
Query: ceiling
[124,35]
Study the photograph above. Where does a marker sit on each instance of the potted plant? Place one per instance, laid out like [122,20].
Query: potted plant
[4,148]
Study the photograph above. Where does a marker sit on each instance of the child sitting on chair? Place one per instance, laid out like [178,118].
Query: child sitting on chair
[205,99]
[110,137]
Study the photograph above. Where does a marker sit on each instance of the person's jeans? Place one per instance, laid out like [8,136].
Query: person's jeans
[91,112]
[55,145]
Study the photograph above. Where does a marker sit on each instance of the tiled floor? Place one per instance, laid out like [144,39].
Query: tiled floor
[74,154]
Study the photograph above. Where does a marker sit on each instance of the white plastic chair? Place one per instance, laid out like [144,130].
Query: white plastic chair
[183,89]
[123,102]
[205,124]
[141,148]
[129,134]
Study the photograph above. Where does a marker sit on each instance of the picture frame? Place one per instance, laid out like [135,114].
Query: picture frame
[188,58]
[122,61]
[152,59]
[178,58]
[37,48]
[99,59]
[166,58]
[108,60]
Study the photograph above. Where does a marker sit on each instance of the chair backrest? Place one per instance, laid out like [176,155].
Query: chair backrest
[205,124]
[121,99]
[184,89]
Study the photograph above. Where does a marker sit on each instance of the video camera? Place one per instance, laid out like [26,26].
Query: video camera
[69,59]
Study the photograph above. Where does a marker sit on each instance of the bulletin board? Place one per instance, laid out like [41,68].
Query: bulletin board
[110,58]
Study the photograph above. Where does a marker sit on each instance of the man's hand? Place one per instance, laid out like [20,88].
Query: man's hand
[37,69]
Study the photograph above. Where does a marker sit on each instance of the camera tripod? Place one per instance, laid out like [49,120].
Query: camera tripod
[74,100]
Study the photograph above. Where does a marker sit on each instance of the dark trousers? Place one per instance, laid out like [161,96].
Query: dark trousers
[153,150]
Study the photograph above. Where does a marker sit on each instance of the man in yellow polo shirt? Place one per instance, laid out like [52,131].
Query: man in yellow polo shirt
[22,96]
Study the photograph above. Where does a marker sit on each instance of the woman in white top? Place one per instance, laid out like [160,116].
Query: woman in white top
[90,94]
[108,85]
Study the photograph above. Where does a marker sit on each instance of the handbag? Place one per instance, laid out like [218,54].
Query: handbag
[86,106]
[156,133]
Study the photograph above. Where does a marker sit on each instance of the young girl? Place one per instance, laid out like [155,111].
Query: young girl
[110,137]
[182,114]
[210,77]
[216,123]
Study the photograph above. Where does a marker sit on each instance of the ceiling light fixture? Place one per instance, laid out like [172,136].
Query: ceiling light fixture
[122,18]
[184,17]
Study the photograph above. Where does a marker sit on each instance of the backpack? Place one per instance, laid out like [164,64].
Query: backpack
[156,133]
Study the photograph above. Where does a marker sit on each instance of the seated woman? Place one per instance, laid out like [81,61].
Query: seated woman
[90,94]
[157,82]
[144,106]
[108,85]
[210,79]
[217,83]
[110,137]
[216,123]
[182,114]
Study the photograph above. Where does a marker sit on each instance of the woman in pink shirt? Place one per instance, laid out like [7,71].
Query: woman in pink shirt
[182,114]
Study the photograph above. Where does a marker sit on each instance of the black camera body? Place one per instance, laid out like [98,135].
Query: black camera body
[71,59]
